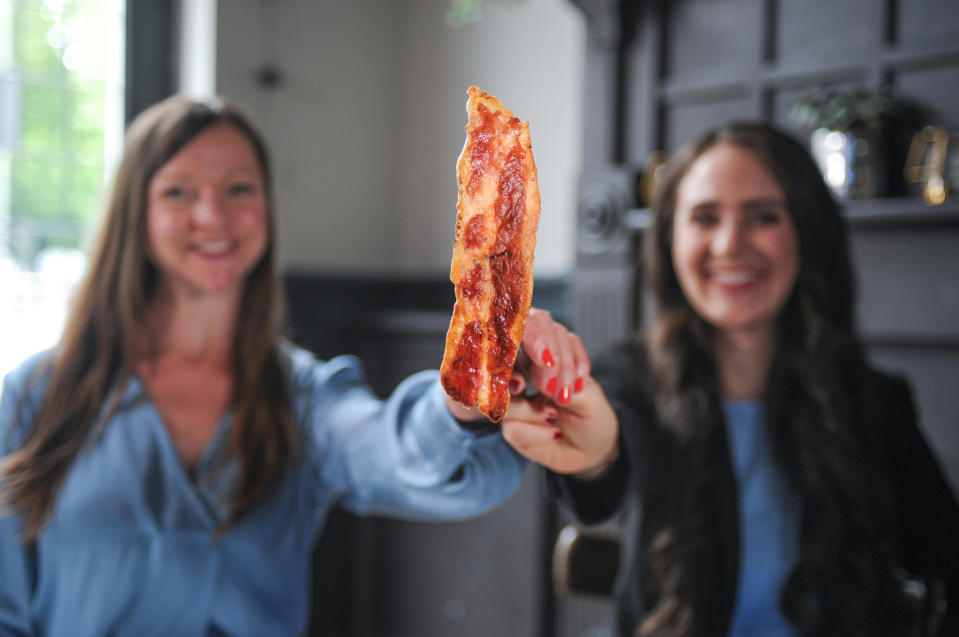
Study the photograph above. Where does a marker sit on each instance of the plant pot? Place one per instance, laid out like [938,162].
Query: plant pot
[853,162]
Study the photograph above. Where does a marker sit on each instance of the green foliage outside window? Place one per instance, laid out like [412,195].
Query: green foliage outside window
[57,163]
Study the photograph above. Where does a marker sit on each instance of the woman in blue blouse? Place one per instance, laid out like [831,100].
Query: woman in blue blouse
[169,466]
[774,484]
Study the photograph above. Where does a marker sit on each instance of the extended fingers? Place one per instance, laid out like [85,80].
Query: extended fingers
[538,337]
[566,370]
[560,363]
[582,365]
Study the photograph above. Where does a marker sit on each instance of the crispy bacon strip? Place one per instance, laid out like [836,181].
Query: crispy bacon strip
[492,269]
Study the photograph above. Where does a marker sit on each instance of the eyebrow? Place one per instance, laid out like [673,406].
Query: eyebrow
[707,205]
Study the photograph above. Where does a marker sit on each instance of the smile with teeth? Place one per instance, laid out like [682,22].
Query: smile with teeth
[213,248]
[737,277]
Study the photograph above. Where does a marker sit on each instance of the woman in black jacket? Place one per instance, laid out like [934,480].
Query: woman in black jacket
[773,483]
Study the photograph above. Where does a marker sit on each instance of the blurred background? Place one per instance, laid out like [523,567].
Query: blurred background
[362,103]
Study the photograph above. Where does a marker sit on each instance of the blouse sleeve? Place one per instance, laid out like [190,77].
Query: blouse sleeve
[17,562]
[405,456]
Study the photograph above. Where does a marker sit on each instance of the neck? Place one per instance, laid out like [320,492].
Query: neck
[744,359]
[197,330]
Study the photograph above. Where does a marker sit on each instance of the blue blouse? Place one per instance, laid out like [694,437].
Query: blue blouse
[768,526]
[130,548]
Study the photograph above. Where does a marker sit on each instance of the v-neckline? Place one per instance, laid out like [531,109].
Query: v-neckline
[196,481]
[210,447]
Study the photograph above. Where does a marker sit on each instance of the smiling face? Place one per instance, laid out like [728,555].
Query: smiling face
[207,214]
[734,246]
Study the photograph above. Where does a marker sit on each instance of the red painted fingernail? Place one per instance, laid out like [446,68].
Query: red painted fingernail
[551,385]
[548,358]
[578,387]
[557,435]
[552,417]
[564,395]
[513,385]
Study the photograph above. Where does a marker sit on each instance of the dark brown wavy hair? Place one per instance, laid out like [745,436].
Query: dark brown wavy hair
[107,331]
[842,574]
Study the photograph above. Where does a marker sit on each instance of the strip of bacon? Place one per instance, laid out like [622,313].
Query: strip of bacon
[492,269]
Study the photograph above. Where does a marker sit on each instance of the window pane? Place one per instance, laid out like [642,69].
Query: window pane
[61,119]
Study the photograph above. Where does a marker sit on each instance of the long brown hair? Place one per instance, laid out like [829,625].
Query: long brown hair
[845,531]
[105,330]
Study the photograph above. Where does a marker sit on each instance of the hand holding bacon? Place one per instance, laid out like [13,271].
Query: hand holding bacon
[551,368]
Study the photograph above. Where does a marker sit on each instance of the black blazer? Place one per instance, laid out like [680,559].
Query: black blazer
[925,506]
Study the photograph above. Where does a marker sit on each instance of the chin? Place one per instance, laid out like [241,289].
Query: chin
[218,287]
[743,324]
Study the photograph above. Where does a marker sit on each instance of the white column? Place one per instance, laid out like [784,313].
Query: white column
[197,30]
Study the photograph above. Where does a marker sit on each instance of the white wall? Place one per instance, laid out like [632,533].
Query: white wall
[529,54]
[368,122]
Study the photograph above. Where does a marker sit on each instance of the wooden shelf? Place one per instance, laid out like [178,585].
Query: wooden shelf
[900,212]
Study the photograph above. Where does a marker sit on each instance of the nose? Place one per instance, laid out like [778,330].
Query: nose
[729,237]
[209,209]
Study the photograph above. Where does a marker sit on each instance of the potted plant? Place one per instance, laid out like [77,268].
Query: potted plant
[849,136]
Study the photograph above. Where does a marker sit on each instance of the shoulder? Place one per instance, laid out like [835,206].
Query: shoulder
[887,415]
[28,380]
[886,397]
[887,384]
[20,396]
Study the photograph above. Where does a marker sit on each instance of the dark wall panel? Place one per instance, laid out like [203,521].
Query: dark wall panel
[821,29]
[921,22]
[699,36]
[909,283]
[935,88]
[150,54]
[685,121]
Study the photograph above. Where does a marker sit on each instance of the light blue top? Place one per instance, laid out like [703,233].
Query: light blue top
[768,526]
[130,547]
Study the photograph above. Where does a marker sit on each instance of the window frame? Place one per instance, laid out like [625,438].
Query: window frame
[151,54]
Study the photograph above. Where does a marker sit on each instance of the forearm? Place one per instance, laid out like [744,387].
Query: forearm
[413,459]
